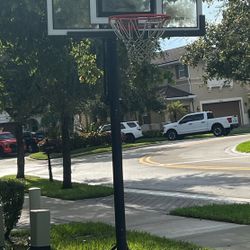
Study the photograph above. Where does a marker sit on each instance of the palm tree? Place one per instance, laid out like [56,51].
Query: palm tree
[176,110]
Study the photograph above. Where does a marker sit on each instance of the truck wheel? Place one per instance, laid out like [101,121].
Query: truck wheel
[218,130]
[172,135]
[129,138]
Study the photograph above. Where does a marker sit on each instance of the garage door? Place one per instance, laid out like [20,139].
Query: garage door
[224,108]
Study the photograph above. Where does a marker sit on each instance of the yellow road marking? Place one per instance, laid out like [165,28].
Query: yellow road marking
[147,160]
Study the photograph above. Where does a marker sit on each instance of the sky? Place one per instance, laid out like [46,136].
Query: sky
[212,15]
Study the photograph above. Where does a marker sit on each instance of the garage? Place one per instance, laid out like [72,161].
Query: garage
[224,109]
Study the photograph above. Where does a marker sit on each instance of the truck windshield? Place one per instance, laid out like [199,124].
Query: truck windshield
[6,136]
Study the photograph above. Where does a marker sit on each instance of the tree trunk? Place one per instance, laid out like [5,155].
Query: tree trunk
[175,116]
[20,151]
[65,125]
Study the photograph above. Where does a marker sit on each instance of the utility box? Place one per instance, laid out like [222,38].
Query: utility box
[40,229]
[34,198]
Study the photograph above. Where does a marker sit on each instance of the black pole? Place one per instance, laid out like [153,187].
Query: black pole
[114,91]
[50,167]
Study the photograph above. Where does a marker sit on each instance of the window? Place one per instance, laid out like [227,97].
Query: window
[106,128]
[198,117]
[210,115]
[131,124]
[6,136]
[122,126]
[219,83]
[186,119]
[181,71]
[192,118]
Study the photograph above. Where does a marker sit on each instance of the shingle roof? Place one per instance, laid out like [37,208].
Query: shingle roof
[169,92]
[169,56]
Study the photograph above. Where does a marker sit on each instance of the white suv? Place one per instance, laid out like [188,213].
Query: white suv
[131,130]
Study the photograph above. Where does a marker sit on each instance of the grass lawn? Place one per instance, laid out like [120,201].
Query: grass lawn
[240,130]
[235,213]
[98,150]
[99,236]
[54,189]
[244,147]
[139,143]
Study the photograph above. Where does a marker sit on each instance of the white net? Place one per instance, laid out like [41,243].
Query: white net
[139,33]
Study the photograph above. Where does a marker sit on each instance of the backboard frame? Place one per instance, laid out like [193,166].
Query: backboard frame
[99,16]
[99,27]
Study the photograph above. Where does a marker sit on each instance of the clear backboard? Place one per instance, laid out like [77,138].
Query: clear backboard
[91,17]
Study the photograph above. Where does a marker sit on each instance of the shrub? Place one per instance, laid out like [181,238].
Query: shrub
[91,139]
[152,134]
[97,139]
[78,142]
[11,198]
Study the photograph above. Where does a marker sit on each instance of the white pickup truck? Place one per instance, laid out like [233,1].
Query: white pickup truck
[198,123]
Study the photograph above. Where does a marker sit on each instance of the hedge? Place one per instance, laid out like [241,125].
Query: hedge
[90,139]
[11,198]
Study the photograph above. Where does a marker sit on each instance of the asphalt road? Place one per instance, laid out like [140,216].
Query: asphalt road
[157,180]
[186,167]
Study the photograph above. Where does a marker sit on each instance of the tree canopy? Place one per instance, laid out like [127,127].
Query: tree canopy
[139,85]
[176,110]
[225,49]
[21,23]
[41,72]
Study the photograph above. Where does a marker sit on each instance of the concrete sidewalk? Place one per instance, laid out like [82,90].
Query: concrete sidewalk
[149,213]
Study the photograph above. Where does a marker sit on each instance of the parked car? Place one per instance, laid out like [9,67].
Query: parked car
[8,143]
[130,129]
[198,123]
[48,145]
[30,142]
[39,136]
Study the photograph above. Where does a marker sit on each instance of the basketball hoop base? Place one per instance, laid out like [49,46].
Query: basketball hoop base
[139,33]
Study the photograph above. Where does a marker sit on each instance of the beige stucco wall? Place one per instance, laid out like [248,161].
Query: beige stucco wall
[181,83]
[236,92]
[195,85]
[225,94]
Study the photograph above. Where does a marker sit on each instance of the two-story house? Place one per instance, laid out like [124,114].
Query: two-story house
[220,96]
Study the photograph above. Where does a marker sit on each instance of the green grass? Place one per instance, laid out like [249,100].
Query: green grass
[39,156]
[151,140]
[236,131]
[98,150]
[99,236]
[240,130]
[54,189]
[235,213]
[199,136]
[75,153]
[244,147]
[142,142]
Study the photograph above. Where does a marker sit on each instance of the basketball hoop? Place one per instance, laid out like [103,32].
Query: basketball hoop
[139,33]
